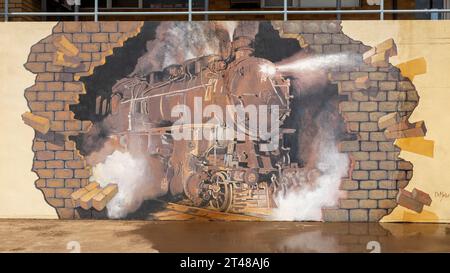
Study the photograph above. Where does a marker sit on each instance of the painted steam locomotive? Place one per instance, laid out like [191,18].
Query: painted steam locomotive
[229,175]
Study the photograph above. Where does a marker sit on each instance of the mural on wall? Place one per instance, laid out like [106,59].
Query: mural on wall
[222,120]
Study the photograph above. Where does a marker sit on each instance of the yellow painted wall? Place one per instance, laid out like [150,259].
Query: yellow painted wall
[18,196]
[431,40]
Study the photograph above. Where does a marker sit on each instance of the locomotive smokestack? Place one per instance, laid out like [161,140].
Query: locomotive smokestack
[243,47]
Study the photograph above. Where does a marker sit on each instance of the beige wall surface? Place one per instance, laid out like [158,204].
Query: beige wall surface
[18,196]
[430,40]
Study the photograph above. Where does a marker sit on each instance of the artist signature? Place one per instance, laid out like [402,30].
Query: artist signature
[441,195]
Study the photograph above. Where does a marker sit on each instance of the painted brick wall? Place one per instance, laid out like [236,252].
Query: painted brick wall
[377,172]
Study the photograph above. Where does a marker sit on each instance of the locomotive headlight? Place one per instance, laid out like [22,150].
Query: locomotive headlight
[268,69]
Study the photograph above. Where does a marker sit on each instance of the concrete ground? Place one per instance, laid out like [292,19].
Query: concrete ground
[208,236]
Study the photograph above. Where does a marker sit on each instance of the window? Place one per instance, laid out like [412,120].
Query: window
[245,4]
[311,3]
[277,3]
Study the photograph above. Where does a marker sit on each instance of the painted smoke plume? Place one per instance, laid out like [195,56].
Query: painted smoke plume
[309,72]
[177,42]
[306,203]
[135,174]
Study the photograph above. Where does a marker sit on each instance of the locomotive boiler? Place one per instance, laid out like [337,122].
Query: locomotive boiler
[229,174]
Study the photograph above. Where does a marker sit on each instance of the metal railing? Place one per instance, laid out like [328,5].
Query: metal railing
[190,12]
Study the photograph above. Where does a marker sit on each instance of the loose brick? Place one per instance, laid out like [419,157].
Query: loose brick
[421,196]
[405,199]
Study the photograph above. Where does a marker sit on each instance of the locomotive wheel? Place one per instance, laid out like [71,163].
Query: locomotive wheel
[221,192]
[192,189]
